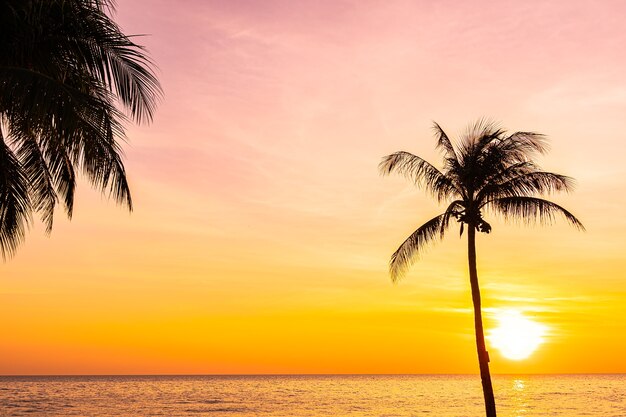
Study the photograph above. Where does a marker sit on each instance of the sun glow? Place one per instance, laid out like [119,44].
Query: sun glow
[516,337]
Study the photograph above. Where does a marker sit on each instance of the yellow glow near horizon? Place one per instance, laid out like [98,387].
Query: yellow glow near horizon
[517,337]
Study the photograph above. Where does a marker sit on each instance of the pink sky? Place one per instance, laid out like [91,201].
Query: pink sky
[259,204]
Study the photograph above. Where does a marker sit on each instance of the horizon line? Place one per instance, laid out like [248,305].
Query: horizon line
[308,374]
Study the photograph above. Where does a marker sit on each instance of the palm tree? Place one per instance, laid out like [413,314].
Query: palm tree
[69,81]
[488,170]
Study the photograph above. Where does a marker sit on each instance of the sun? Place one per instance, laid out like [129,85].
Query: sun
[516,337]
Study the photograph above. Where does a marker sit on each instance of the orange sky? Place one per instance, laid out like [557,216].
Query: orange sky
[262,230]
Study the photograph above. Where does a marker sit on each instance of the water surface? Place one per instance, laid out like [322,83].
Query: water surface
[299,396]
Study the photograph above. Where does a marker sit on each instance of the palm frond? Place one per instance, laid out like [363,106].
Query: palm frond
[404,257]
[444,143]
[35,168]
[93,149]
[102,163]
[455,209]
[61,37]
[15,206]
[420,172]
[521,146]
[87,134]
[119,63]
[65,69]
[531,210]
[76,104]
[63,176]
[526,184]
[528,141]
[478,135]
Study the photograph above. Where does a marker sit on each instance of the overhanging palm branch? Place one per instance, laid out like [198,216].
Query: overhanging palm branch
[69,79]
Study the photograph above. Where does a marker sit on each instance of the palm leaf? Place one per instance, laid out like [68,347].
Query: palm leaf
[531,209]
[521,146]
[444,142]
[63,176]
[455,209]
[420,172]
[15,207]
[404,257]
[119,63]
[35,169]
[476,137]
[527,184]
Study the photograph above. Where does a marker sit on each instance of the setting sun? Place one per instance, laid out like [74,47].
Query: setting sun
[516,337]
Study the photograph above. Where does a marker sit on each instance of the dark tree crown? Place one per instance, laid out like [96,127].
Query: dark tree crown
[69,80]
[488,169]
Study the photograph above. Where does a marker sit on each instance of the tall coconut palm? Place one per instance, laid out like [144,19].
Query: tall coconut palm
[488,170]
[69,80]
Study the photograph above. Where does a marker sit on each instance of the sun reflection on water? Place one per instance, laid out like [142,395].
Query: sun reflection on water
[520,403]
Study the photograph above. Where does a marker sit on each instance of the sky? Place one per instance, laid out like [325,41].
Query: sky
[262,230]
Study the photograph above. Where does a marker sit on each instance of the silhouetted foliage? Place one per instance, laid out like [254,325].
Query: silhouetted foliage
[69,80]
[490,171]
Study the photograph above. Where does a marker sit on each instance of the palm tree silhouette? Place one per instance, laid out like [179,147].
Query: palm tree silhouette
[69,80]
[488,170]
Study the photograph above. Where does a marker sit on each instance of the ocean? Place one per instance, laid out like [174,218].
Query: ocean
[312,395]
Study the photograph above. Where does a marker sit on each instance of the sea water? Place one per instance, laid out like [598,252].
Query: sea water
[312,395]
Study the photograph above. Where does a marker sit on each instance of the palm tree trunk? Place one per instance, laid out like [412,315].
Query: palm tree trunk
[483,356]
